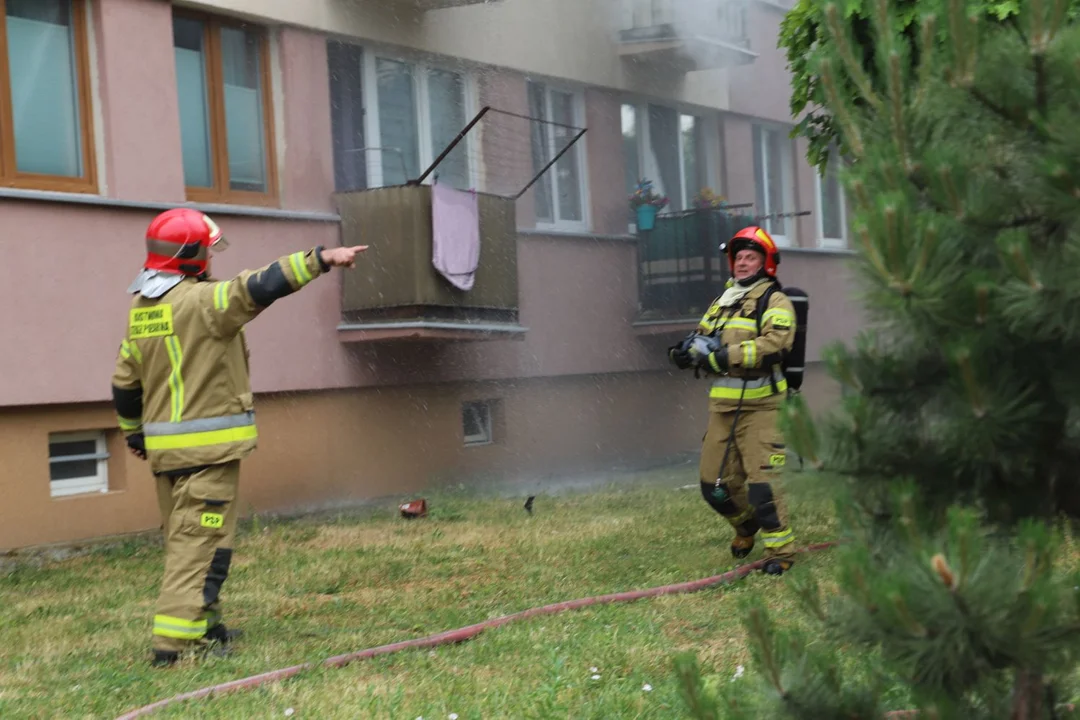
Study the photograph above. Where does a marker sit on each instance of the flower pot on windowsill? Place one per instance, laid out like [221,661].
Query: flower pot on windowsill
[646,217]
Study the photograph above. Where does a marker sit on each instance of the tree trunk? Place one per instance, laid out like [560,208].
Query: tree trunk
[1029,692]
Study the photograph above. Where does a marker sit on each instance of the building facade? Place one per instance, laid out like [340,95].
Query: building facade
[296,124]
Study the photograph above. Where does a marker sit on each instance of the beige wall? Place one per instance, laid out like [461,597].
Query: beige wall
[320,448]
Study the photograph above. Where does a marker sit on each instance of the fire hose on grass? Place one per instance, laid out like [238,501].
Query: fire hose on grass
[462,634]
[471,631]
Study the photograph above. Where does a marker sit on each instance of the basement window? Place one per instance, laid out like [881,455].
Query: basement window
[78,464]
[476,423]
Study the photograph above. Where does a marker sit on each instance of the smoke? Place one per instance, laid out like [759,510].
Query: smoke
[710,28]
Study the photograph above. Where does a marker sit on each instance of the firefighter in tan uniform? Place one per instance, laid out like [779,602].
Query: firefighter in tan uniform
[743,450]
[183,396]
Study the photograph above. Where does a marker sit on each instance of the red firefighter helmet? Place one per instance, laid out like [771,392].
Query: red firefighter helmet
[179,241]
[753,238]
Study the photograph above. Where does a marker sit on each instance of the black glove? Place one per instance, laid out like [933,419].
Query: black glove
[680,356]
[717,359]
[137,443]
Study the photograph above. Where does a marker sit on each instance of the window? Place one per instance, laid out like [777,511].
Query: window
[78,464]
[832,210]
[226,128]
[668,147]
[419,110]
[476,423]
[45,111]
[774,171]
[560,192]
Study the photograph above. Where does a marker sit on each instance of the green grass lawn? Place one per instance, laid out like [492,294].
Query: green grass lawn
[76,632]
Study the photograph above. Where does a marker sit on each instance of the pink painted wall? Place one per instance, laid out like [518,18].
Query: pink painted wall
[738,138]
[308,177]
[138,100]
[578,295]
[762,88]
[606,162]
[507,141]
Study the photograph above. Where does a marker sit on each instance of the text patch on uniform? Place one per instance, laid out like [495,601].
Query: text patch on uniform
[212,520]
[150,322]
[778,460]
[781,321]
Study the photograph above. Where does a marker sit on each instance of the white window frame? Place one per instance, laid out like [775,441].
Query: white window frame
[483,420]
[87,485]
[422,99]
[788,238]
[709,153]
[578,149]
[839,243]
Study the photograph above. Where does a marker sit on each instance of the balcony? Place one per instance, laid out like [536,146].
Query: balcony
[401,296]
[425,5]
[680,270]
[686,36]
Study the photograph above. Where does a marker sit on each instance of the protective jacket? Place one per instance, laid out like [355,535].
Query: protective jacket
[182,377]
[754,373]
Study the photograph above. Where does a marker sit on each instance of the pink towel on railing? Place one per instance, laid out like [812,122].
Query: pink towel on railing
[455,247]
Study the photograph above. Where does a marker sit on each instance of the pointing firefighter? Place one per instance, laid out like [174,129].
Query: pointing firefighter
[183,396]
[741,342]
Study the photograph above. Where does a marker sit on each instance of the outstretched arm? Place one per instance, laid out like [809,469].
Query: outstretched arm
[231,304]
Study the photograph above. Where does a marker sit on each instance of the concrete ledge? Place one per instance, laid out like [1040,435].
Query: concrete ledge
[575,235]
[428,330]
[209,208]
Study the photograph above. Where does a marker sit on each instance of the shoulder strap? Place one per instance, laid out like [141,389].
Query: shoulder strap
[763,305]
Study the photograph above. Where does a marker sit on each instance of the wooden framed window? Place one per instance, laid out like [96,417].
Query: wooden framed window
[46,132]
[226,112]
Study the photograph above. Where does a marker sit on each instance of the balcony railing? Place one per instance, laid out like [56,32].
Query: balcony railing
[401,294]
[680,269]
[686,35]
[434,4]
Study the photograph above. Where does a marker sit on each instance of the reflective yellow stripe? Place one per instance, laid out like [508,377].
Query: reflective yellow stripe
[299,267]
[129,424]
[201,439]
[176,378]
[749,353]
[221,296]
[174,627]
[776,313]
[741,324]
[778,539]
[752,393]
[713,364]
[130,350]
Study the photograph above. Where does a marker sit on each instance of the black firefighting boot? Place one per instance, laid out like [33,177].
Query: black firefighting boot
[164,658]
[219,633]
[741,546]
[776,566]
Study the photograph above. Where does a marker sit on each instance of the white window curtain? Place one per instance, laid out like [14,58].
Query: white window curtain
[398,122]
[446,108]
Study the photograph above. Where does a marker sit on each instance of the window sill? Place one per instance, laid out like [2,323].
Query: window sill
[210,208]
[575,234]
[820,250]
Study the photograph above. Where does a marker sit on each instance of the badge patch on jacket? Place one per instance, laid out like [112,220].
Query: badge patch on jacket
[151,322]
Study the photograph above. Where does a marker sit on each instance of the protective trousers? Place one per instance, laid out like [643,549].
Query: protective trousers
[198,513]
[746,496]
